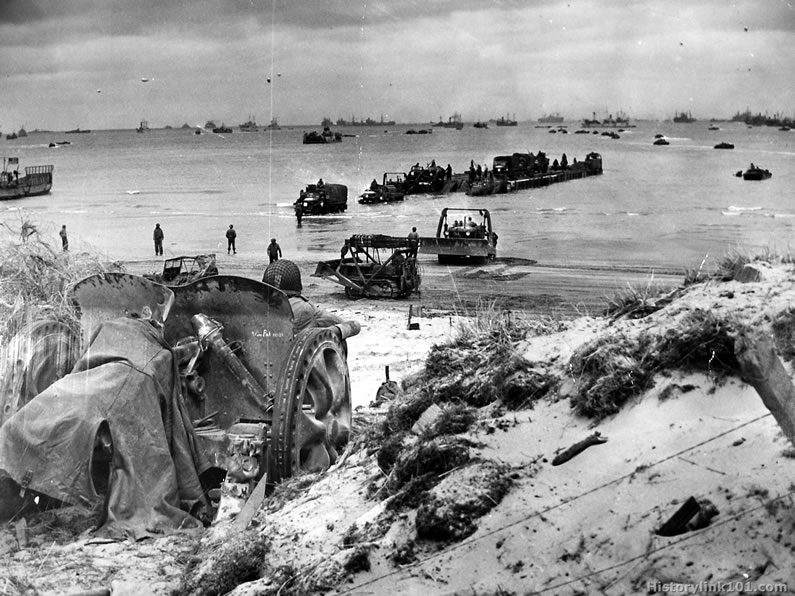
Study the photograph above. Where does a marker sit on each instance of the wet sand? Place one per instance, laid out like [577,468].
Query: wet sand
[520,285]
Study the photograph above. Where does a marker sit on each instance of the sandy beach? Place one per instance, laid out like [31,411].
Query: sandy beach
[448,294]
[498,513]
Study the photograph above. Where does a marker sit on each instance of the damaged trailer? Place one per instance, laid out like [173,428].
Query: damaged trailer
[166,401]
[378,267]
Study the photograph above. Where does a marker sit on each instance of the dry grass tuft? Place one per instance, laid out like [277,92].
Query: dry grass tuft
[637,301]
[611,370]
[34,281]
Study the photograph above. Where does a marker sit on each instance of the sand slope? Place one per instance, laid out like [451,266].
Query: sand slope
[586,526]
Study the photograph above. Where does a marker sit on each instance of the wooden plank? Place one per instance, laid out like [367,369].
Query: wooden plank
[252,505]
[763,370]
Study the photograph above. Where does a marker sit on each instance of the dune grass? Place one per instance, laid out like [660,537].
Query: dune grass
[35,278]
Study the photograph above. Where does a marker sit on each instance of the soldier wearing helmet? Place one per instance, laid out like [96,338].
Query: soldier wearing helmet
[286,276]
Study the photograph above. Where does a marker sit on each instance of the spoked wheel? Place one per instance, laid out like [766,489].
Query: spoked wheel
[312,406]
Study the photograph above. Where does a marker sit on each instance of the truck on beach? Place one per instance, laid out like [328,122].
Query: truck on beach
[391,189]
[462,235]
[319,199]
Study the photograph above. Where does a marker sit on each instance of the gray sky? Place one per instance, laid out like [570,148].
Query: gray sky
[80,63]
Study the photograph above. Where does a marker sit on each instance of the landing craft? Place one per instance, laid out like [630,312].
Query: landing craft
[144,80]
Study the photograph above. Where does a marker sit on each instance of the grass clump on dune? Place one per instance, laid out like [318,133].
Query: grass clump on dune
[483,364]
[34,282]
[611,370]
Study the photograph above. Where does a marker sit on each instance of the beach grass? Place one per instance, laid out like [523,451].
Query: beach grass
[35,278]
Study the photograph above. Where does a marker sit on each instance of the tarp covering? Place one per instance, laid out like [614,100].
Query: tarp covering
[126,382]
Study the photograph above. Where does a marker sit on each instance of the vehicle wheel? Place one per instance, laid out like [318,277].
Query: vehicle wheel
[312,406]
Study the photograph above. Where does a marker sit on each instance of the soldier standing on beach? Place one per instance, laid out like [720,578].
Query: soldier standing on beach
[231,234]
[299,213]
[274,251]
[157,236]
[414,242]
[64,239]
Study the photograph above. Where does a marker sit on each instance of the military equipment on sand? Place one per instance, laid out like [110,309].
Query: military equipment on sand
[378,267]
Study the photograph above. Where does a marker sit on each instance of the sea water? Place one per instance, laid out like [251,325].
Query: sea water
[668,207]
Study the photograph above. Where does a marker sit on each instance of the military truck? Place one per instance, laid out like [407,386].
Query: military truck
[462,235]
[319,199]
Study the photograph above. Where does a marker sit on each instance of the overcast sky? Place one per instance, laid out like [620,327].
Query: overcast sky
[80,63]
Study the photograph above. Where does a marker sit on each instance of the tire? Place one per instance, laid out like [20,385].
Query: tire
[312,406]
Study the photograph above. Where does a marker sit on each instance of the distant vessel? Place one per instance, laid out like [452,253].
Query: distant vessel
[480,124]
[505,121]
[274,125]
[11,136]
[209,125]
[22,133]
[327,136]
[354,122]
[249,126]
[551,119]
[36,181]
[453,121]
[621,119]
[143,127]
[755,173]
[77,131]
[684,118]
[223,129]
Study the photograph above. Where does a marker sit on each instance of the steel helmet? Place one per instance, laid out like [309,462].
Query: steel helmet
[284,275]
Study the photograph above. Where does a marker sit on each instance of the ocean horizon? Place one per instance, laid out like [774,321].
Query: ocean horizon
[664,208]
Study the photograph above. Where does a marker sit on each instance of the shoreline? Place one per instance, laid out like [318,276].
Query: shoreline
[449,295]
[520,285]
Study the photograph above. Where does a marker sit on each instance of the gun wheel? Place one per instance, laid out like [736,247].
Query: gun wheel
[312,406]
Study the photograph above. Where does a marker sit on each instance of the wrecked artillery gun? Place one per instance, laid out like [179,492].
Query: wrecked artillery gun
[251,397]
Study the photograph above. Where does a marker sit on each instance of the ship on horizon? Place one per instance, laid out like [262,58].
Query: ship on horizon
[249,126]
[684,117]
[555,118]
[353,122]
[506,121]
[620,120]
[453,121]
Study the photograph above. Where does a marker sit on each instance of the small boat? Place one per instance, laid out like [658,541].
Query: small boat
[661,141]
[756,173]
[480,124]
[713,127]
[724,146]
[37,180]
[11,136]
[317,138]
[143,127]
[223,129]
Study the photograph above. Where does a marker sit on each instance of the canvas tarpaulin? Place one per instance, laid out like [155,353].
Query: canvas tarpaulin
[126,383]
